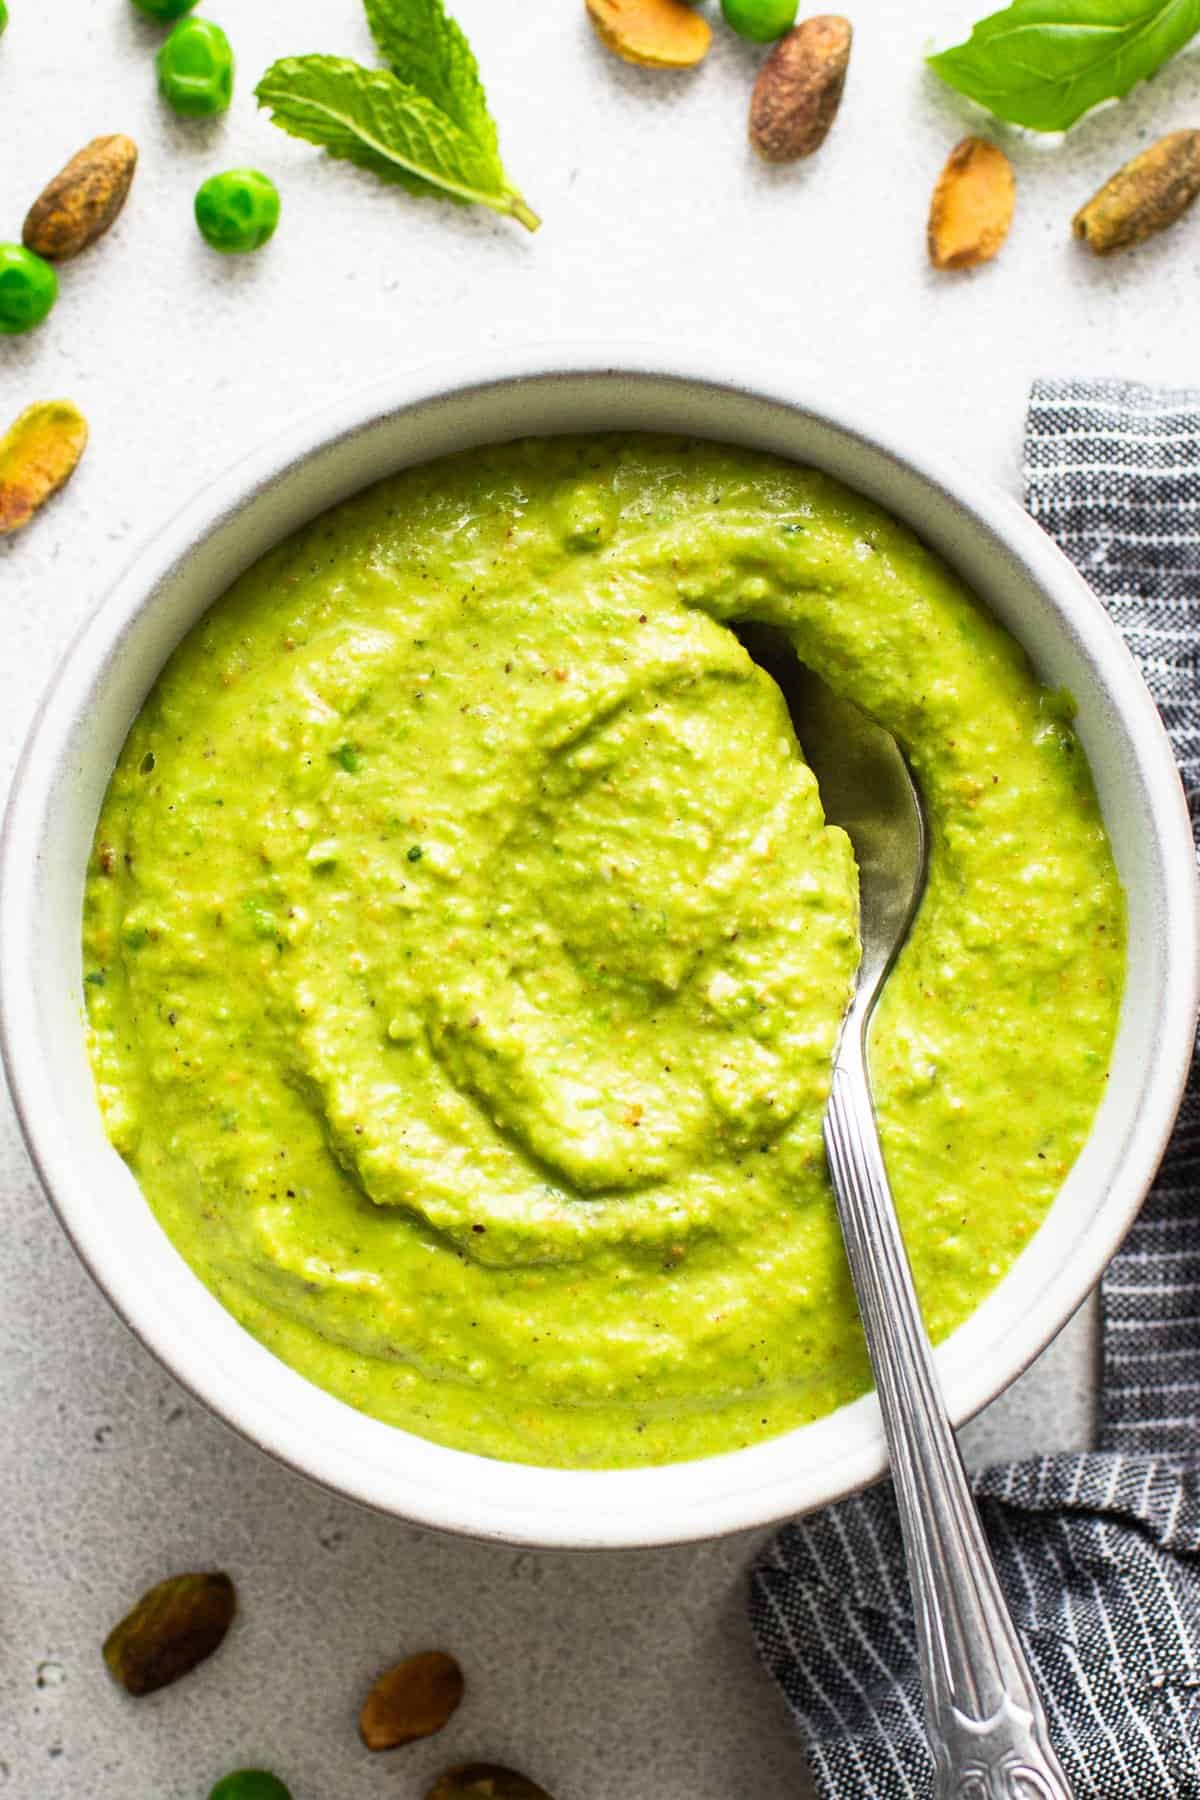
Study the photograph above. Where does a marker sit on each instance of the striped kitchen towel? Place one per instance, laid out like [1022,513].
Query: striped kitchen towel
[1099,1554]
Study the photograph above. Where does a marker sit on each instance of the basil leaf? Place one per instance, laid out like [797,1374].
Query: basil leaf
[1044,63]
[373,119]
[429,51]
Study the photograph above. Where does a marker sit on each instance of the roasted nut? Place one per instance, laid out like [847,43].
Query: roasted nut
[799,89]
[37,455]
[172,1628]
[82,201]
[411,1701]
[1146,196]
[659,34]
[972,206]
[485,1781]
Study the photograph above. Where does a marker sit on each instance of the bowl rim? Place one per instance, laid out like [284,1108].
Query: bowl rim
[988,511]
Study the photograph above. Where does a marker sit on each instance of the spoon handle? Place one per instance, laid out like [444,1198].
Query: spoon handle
[984,1718]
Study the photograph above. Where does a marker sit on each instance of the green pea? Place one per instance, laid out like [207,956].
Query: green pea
[3,15]
[250,1784]
[760,20]
[164,10]
[195,69]
[237,212]
[28,289]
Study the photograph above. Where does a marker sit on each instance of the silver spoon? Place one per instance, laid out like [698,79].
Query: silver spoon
[984,1718]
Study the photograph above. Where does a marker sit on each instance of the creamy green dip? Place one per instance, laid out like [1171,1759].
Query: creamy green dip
[465,948]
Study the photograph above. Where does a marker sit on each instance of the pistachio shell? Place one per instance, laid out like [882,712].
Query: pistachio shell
[972,206]
[658,34]
[37,455]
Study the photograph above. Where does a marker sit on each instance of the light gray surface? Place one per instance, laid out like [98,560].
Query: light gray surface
[613,1677]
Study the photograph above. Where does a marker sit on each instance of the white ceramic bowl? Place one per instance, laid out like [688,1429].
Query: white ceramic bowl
[66,768]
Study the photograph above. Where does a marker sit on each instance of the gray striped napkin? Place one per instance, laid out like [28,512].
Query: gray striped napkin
[1098,1553]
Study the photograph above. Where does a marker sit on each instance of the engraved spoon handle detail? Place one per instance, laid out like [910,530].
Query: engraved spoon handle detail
[987,1729]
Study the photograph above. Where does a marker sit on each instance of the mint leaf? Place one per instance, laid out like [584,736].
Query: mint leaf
[372,118]
[425,48]
[1044,63]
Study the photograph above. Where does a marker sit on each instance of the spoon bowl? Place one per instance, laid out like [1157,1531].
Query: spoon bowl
[868,790]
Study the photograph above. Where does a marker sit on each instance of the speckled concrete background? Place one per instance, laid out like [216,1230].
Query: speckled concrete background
[617,1678]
